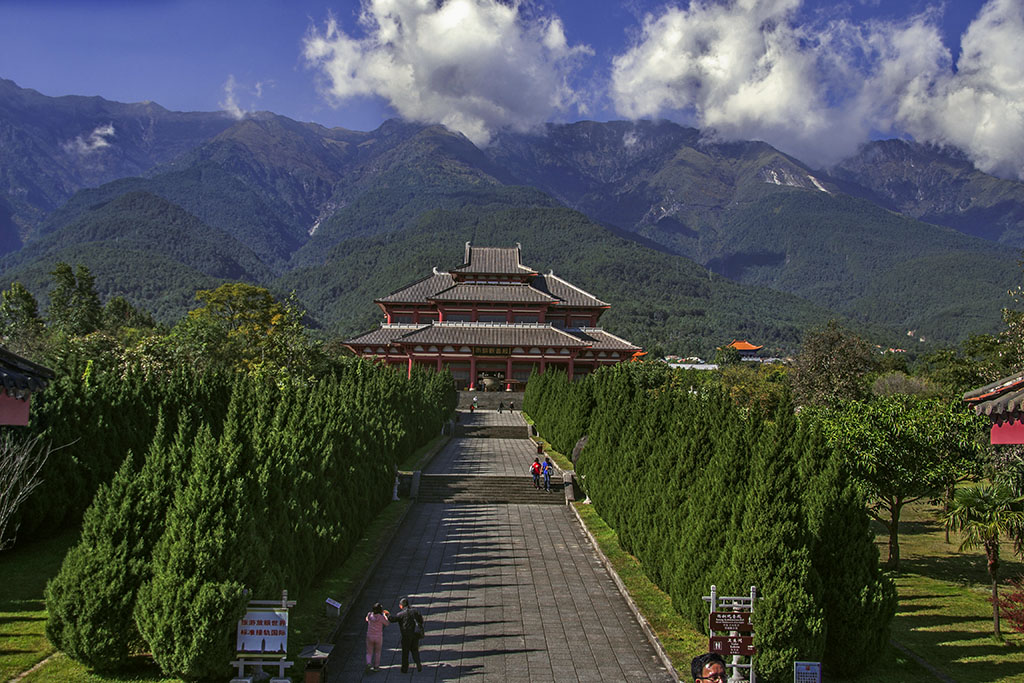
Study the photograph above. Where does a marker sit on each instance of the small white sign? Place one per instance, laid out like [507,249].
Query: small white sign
[263,631]
[806,672]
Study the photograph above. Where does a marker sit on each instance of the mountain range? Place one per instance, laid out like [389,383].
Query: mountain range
[694,241]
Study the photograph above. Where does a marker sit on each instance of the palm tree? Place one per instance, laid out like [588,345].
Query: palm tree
[984,513]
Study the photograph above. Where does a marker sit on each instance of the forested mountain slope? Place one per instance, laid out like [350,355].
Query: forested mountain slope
[272,200]
[51,147]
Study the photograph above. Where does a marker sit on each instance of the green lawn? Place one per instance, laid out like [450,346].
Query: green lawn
[24,572]
[944,615]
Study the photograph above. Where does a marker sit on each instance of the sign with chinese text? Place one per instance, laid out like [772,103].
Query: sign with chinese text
[492,350]
[263,631]
[730,621]
[806,672]
[732,645]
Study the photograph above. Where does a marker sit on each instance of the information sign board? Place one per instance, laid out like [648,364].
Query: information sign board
[730,621]
[263,631]
[732,645]
[806,672]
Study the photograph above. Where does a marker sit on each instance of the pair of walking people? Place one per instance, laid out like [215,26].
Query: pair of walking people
[410,626]
[539,470]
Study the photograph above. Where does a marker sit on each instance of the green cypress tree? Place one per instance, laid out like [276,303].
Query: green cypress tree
[859,601]
[775,554]
[92,598]
[187,613]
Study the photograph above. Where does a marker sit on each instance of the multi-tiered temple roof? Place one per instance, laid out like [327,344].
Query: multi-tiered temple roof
[494,319]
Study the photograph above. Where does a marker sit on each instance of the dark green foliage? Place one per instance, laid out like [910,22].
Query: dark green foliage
[187,612]
[74,305]
[279,482]
[857,598]
[90,602]
[831,366]
[705,492]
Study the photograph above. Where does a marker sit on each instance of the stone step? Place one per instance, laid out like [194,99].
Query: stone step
[491,431]
[454,488]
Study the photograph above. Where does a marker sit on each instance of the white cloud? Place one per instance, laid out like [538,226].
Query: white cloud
[476,66]
[979,107]
[747,69]
[233,89]
[98,139]
[230,102]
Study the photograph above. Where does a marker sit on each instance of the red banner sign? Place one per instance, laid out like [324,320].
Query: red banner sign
[730,621]
[732,645]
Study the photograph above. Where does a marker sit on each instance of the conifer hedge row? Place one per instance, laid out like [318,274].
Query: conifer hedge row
[703,492]
[92,418]
[216,514]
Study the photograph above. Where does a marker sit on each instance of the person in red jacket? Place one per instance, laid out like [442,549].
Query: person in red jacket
[535,471]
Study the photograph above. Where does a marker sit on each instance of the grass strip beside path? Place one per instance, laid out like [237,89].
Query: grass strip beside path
[682,641]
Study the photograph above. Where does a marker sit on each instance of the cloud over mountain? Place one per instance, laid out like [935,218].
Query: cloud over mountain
[748,69]
[474,65]
[85,145]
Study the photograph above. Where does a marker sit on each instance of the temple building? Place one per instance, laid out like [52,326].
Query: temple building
[491,321]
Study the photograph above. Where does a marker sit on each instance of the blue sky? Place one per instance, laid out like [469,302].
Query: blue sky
[813,77]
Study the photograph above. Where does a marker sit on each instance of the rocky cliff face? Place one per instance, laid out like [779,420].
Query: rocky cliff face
[938,186]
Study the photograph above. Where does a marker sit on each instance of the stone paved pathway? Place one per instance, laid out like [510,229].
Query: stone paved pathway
[509,592]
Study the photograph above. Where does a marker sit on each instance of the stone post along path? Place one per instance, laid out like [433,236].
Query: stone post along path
[509,591]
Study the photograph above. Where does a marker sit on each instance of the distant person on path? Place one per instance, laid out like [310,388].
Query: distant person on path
[410,625]
[708,668]
[376,620]
[535,471]
[501,407]
[546,469]
[511,406]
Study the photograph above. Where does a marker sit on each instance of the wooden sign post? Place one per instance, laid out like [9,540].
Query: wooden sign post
[731,618]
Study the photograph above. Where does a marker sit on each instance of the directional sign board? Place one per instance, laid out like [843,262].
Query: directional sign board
[730,621]
[732,645]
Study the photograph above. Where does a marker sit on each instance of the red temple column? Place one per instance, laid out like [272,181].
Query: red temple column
[472,373]
[508,375]
[543,366]
[409,372]
[439,368]
[572,363]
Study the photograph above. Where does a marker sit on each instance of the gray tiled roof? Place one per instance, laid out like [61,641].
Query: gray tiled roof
[382,335]
[19,375]
[511,293]
[569,295]
[1003,398]
[420,291]
[601,340]
[493,334]
[493,260]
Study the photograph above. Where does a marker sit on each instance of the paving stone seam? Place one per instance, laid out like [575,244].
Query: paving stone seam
[641,619]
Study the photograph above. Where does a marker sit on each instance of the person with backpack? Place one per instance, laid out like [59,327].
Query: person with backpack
[546,470]
[410,625]
[535,471]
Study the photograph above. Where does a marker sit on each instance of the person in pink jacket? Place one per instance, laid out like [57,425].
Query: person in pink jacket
[376,620]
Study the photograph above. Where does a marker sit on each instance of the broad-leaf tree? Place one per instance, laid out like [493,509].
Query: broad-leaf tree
[903,448]
[984,514]
[831,366]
